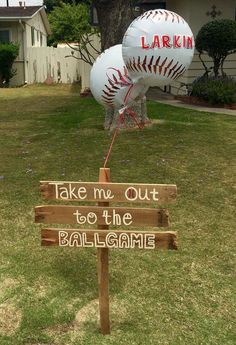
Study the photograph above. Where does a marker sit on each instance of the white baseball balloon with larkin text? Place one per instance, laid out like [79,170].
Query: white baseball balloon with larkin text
[110,82]
[158,47]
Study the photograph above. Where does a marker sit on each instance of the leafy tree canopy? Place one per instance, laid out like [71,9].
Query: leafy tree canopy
[218,40]
[70,22]
[50,4]
[217,37]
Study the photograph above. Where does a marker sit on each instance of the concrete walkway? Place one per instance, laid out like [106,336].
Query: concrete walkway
[156,94]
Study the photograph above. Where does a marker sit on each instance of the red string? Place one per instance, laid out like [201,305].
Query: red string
[128,93]
[120,120]
[110,148]
[134,117]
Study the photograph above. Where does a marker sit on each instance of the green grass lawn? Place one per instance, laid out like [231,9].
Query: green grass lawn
[157,297]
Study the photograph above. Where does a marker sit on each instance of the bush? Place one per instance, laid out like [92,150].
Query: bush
[8,53]
[218,40]
[221,90]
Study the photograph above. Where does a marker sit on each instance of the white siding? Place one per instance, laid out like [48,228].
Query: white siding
[37,24]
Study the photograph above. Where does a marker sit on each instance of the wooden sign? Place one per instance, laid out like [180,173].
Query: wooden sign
[103,216]
[108,239]
[109,192]
[94,215]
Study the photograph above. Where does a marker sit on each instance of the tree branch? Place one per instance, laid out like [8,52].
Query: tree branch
[207,70]
[87,57]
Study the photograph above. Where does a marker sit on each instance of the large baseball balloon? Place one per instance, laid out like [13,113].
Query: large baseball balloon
[110,82]
[158,47]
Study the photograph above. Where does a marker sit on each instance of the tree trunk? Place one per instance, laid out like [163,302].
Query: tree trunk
[216,66]
[114,17]
[221,66]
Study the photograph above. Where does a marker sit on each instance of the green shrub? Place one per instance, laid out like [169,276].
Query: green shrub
[221,90]
[218,40]
[8,53]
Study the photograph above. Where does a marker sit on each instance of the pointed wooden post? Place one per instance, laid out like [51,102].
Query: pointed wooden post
[103,268]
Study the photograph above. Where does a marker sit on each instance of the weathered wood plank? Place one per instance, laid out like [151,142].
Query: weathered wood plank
[108,238]
[105,192]
[94,215]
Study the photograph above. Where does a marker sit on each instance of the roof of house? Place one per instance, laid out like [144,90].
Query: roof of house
[19,11]
[15,13]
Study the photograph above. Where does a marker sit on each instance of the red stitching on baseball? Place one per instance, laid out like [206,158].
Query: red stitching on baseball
[150,64]
[139,64]
[109,89]
[108,93]
[144,63]
[168,15]
[173,72]
[180,72]
[156,64]
[107,100]
[168,66]
[172,69]
[115,83]
[156,12]
[112,85]
[176,71]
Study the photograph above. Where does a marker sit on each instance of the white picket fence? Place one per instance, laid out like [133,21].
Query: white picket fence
[50,65]
[56,65]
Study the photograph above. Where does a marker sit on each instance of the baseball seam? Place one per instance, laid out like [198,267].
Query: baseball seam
[162,14]
[165,68]
[114,85]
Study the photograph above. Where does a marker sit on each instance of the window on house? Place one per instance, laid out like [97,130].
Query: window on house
[41,39]
[4,36]
[32,37]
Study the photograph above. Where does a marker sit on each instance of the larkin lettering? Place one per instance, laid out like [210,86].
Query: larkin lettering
[167,41]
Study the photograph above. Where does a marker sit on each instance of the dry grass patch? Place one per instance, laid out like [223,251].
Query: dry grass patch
[10,318]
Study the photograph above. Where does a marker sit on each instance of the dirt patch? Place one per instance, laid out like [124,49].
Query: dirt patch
[10,318]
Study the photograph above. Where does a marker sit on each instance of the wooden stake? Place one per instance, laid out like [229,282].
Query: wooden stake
[103,267]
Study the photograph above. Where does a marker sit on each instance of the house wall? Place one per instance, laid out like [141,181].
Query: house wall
[195,13]
[21,34]
[37,23]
